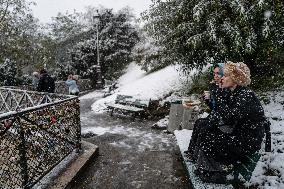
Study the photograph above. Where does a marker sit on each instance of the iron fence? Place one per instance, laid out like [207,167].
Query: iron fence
[60,86]
[37,131]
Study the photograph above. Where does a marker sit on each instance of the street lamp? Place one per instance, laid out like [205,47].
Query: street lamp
[99,83]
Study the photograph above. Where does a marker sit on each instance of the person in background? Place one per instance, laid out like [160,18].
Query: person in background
[35,80]
[72,83]
[46,83]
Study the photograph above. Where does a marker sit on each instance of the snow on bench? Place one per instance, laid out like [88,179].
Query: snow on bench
[128,104]
[183,138]
[124,107]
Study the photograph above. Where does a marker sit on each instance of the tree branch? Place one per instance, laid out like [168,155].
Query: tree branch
[4,14]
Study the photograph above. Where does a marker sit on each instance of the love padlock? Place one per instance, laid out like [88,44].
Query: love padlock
[7,123]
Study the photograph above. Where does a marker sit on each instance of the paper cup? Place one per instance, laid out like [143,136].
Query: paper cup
[206,94]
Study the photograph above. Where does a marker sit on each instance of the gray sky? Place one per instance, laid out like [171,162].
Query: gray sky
[45,9]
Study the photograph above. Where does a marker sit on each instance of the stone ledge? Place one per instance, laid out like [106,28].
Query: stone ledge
[183,138]
[74,168]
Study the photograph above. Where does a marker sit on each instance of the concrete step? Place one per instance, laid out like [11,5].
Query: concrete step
[64,173]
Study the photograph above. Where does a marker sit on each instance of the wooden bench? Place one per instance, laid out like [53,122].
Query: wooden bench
[127,104]
[246,167]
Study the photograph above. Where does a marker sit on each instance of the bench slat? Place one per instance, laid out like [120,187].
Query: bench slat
[126,103]
[247,167]
[125,107]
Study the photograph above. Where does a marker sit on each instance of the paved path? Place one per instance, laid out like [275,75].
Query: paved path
[132,155]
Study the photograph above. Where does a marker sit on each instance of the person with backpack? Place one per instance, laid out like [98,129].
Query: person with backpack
[46,83]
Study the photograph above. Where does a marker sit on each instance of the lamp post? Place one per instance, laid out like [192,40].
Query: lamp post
[99,83]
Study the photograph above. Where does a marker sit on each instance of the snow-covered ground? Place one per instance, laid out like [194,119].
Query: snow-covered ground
[269,172]
[144,87]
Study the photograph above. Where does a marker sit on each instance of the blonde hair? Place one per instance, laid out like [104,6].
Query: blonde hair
[239,72]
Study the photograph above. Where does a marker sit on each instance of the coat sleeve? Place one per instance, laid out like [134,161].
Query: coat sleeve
[39,85]
[245,106]
[70,82]
[215,93]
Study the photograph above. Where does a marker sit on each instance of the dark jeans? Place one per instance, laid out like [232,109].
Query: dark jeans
[212,149]
[208,170]
[214,143]
[198,130]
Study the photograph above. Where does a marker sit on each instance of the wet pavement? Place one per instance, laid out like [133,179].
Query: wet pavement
[131,154]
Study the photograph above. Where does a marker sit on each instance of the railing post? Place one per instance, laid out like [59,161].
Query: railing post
[22,154]
[78,125]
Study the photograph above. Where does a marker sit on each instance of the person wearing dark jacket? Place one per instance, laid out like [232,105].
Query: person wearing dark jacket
[46,83]
[235,129]
[215,90]
[209,98]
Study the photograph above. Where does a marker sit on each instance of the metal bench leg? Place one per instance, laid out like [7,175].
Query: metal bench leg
[133,116]
[236,177]
[142,115]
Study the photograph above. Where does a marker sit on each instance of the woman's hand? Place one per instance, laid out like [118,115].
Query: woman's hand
[221,83]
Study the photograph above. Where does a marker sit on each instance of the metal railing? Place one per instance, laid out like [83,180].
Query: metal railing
[37,131]
[60,86]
